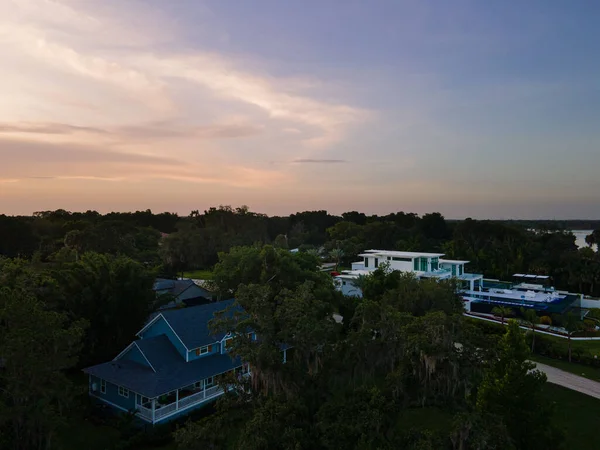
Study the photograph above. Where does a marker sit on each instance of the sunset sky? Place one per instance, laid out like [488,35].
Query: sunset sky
[470,108]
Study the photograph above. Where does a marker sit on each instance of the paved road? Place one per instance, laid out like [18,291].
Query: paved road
[569,380]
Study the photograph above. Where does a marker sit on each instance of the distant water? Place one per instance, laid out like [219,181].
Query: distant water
[580,237]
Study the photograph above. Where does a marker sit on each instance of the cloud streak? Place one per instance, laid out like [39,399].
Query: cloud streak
[319,161]
[44,161]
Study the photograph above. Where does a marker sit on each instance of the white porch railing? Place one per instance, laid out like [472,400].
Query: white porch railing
[146,413]
[161,411]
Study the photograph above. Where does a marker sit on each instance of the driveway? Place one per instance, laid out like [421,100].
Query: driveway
[569,380]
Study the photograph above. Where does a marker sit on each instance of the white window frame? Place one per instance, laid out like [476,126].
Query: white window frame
[204,350]
[123,392]
[212,381]
[103,386]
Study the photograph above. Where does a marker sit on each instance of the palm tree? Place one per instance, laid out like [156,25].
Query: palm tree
[532,319]
[502,311]
[571,324]
[336,254]
[316,252]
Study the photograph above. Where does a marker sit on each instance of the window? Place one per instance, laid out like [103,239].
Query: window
[366,262]
[344,283]
[203,350]
[435,264]
[226,343]
[103,386]
[416,264]
[423,264]
[123,392]
[209,381]
[251,336]
[376,263]
[460,270]
[198,385]
[389,258]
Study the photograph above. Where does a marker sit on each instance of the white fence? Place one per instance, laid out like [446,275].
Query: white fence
[537,330]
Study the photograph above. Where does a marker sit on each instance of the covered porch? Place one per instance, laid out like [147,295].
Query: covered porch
[185,398]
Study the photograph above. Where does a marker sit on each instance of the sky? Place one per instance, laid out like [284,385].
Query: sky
[473,109]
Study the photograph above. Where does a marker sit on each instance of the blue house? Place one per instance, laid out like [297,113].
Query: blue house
[181,292]
[171,369]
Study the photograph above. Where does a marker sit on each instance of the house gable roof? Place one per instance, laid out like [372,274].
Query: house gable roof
[159,352]
[191,325]
[177,287]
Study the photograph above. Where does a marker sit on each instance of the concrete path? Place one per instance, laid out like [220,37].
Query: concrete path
[570,381]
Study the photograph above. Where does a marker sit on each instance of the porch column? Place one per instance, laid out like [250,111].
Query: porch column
[285,356]
[471,284]
[177,399]
[153,409]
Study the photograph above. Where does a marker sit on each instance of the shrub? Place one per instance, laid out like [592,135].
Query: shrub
[545,320]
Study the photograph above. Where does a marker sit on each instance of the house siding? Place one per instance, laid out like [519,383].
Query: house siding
[215,350]
[134,354]
[161,327]
[112,394]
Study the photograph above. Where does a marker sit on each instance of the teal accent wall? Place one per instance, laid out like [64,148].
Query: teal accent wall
[161,327]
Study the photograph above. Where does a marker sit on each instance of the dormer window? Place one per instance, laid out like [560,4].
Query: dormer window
[203,350]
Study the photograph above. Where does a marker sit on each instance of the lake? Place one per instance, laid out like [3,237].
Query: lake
[580,237]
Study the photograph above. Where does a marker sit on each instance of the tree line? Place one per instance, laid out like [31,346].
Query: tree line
[176,244]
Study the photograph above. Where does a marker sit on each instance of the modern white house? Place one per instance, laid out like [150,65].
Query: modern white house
[423,265]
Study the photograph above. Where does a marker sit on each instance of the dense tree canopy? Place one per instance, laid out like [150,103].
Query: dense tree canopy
[36,346]
[404,369]
[405,349]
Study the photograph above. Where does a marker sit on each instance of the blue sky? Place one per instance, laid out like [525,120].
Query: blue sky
[470,108]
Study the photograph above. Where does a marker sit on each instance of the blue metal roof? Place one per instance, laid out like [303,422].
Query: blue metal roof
[167,378]
[161,284]
[192,324]
[159,352]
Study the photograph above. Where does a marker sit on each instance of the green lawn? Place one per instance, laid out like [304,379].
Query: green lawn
[578,415]
[199,274]
[583,346]
[593,373]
